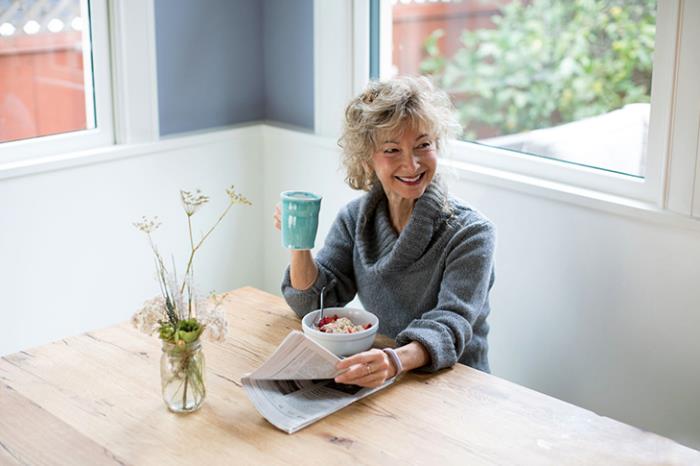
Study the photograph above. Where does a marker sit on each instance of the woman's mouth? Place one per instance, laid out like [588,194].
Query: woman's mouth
[410,181]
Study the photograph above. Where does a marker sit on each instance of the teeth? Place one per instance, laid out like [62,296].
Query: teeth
[409,180]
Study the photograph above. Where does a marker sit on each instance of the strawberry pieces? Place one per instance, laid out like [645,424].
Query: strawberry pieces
[326,320]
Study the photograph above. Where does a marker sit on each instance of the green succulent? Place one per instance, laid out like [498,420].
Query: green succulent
[167,331]
[188,330]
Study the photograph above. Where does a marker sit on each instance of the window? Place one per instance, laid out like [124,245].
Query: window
[580,93]
[45,70]
[54,76]
[565,80]
[95,76]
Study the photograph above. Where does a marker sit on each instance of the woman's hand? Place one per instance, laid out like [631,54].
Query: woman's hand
[374,367]
[368,369]
[302,269]
[277,217]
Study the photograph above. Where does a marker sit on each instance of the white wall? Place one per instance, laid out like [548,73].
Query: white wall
[594,308]
[70,259]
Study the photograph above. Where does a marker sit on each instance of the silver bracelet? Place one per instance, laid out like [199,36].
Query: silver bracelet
[395,359]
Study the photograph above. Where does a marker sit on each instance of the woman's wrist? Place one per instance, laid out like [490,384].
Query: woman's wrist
[395,362]
[302,270]
[413,356]
[299,286]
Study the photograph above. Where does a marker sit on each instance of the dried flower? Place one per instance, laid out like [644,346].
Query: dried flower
[212,318]
[147,225]
[148,319]
[192,202]
[217,299]
[237,198]
[178,316]
[216,326]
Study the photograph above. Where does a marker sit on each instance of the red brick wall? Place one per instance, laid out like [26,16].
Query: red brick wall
[414,22]
[41,85]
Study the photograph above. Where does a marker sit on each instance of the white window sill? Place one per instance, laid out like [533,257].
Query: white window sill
[559,192]
[80,158]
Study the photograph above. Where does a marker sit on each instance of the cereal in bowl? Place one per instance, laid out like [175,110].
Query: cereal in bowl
[335,324]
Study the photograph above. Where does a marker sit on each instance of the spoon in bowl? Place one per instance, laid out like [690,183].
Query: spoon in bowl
[320,313]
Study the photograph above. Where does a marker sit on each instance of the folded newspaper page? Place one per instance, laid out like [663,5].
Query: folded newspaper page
[295,386]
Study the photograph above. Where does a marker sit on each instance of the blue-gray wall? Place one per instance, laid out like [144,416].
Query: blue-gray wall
[288,37]
[222,62]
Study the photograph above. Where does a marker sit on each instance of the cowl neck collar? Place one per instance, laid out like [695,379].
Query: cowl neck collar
[381,248]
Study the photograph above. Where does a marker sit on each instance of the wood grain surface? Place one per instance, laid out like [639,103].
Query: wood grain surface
[95,399]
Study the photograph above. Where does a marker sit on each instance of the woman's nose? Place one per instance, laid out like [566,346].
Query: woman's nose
[412,161]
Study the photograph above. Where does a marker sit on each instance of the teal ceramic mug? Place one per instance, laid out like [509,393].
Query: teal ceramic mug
[299,219]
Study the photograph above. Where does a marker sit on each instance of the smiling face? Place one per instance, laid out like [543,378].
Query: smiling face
[405,164]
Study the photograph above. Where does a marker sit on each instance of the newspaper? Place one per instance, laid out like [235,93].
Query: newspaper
[295,388]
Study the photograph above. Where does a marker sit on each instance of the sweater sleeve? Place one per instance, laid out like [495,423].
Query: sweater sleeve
[445,330]
[335,271]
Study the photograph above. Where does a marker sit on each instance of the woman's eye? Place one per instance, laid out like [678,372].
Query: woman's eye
[425,145]
[391,151]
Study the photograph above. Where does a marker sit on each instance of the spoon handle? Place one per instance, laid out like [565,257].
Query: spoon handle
[320,314]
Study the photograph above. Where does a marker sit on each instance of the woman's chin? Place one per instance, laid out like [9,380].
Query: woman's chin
[411,192]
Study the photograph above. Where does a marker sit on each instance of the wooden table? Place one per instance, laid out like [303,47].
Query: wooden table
[95,399]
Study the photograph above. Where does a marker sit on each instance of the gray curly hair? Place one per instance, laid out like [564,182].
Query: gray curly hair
[389,107]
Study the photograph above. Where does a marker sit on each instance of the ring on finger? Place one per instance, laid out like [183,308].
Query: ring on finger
[369,369]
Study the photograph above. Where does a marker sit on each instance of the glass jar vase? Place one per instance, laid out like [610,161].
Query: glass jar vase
[182,376]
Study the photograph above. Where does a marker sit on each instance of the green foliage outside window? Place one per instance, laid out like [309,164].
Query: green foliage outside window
[548,62]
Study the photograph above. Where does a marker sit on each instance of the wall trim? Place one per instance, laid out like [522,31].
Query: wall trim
[457,171]
[78,159]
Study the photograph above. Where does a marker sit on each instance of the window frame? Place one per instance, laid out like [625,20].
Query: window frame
[102,134]
[672,181]
[682,191]
[125,87]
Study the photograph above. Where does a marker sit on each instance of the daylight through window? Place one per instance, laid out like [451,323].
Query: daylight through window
[568,80]
[46,83]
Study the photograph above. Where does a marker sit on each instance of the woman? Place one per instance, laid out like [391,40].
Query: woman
[420,260]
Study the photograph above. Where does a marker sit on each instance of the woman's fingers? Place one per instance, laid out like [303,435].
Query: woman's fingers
[362,376]
[372,381]
[277,217]
[367,369]
[354,373]
[359,358]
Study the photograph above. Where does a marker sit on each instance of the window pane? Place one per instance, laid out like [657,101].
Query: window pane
[567,79]
[45,68]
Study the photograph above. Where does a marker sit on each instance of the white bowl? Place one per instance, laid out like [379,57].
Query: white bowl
[343,344]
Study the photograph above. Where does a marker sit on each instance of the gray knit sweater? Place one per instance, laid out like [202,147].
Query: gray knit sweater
[429,284]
